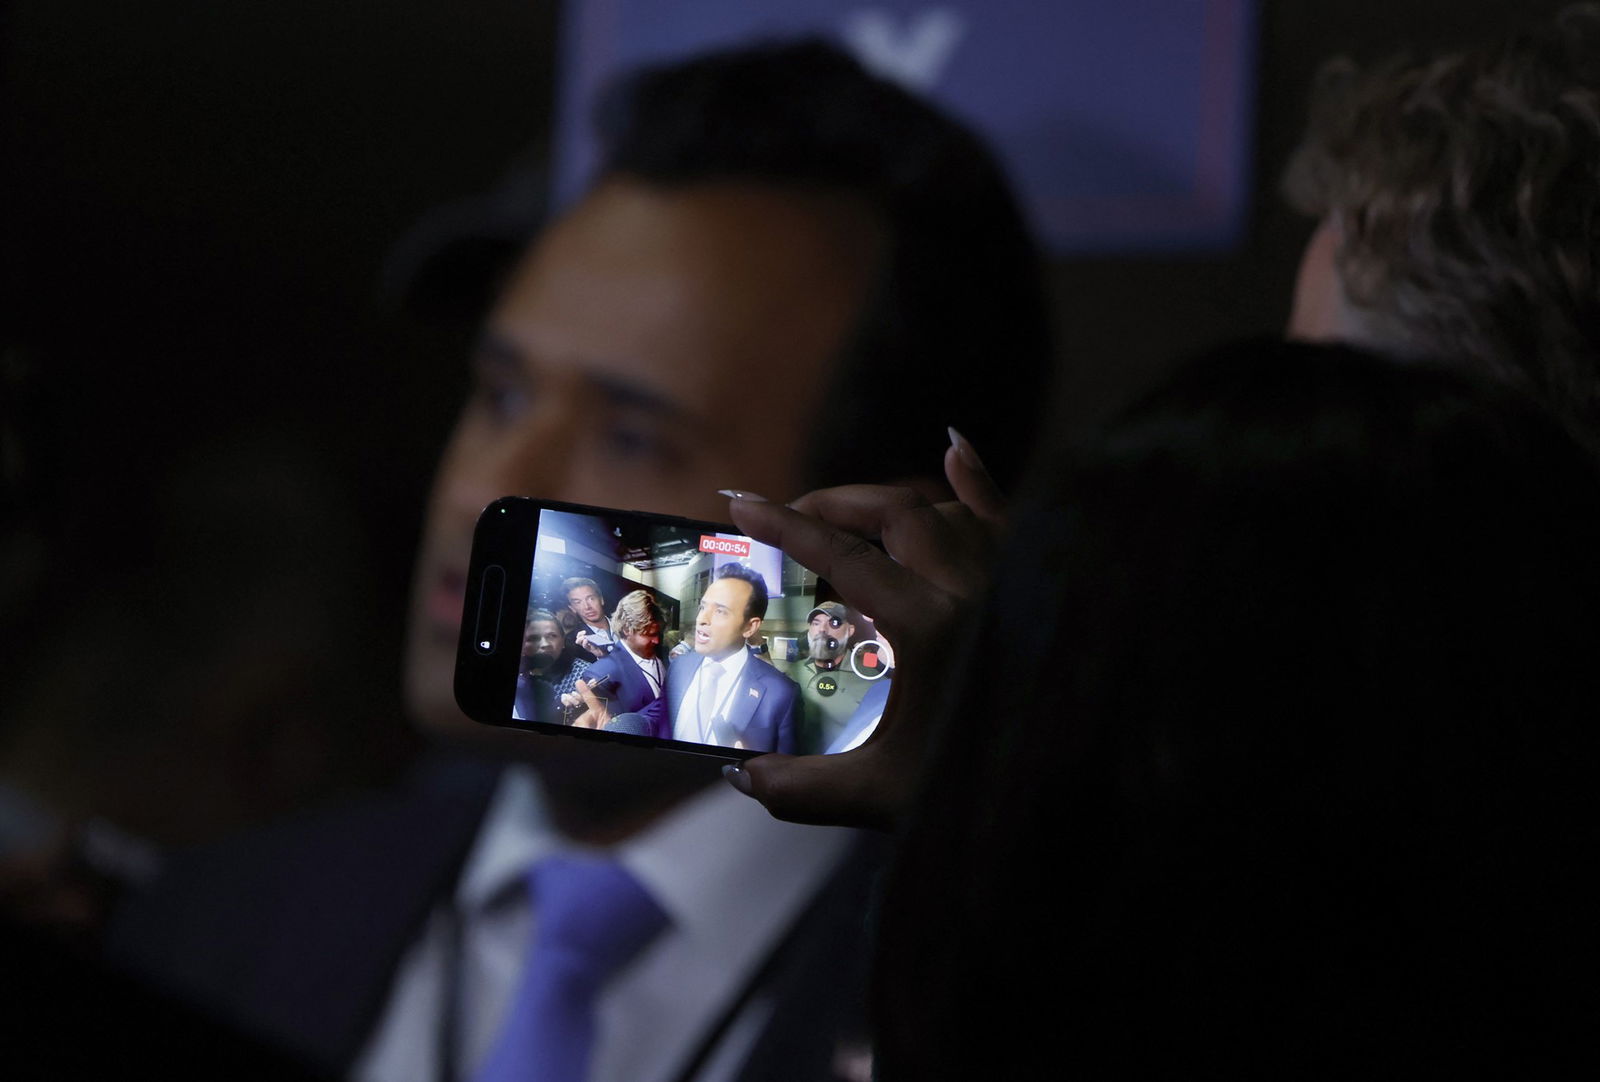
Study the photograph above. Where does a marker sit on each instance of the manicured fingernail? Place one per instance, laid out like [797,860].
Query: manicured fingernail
[737,777]
[964,449]
[741,494]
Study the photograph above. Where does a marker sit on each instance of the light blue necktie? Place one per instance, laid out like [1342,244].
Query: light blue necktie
[590,918]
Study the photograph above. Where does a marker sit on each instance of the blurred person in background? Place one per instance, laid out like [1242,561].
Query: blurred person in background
[1459,209]
[778,249]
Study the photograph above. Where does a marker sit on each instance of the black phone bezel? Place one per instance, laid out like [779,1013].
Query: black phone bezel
[485,682]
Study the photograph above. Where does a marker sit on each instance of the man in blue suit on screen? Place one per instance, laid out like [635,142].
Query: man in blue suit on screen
[721,693]
[632,676]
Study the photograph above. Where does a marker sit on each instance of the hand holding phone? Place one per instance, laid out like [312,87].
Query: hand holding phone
[933,565]
[597,643]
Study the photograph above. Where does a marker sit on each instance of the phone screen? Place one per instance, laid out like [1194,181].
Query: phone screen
[685,634]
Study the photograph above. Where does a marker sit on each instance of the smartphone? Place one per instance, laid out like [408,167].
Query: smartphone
[683,682]
[601,638]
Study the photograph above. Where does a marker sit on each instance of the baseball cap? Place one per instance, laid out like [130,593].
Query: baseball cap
[834,610]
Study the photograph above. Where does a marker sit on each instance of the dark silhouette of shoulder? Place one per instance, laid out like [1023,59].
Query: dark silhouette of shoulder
[293,931]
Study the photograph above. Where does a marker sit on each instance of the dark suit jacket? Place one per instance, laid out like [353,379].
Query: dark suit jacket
[761,712]
[294,933]
[536,699]
[633,691]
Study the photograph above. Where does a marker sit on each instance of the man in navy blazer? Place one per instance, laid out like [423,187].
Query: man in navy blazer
[634,675]
[721,693]
[794,209]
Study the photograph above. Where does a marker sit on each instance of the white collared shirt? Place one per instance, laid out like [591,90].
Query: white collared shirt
[731,878]
[686,725]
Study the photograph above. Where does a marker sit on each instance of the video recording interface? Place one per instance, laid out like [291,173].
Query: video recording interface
[690,636]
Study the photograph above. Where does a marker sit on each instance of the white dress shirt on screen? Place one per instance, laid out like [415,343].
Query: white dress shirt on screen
[687,724]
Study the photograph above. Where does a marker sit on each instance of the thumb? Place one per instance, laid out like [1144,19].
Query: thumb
[824,790]
[970,481]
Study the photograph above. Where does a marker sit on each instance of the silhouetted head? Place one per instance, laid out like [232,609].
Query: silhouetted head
[1297,781]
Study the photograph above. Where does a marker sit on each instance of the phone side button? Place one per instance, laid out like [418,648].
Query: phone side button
[491,597]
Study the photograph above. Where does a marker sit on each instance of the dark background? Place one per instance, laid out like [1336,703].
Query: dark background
[218,439]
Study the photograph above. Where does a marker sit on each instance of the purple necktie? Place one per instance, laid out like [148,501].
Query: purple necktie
[590,917]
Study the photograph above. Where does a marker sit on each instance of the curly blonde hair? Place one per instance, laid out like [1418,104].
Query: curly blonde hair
[1467,191]
[635,611]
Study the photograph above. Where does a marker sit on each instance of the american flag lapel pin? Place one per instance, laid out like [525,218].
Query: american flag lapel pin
[754,694]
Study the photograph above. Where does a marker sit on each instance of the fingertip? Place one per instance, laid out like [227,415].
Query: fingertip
[737,509]
[757,518]
[971,481]
[764,779]
[954,468]
[964,450]
[739,778]
[802,504]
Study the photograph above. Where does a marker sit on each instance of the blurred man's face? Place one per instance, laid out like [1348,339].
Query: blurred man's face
[541,643]
[821,630]
[587,603]
[644,641]
[721,627]
[653,347]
